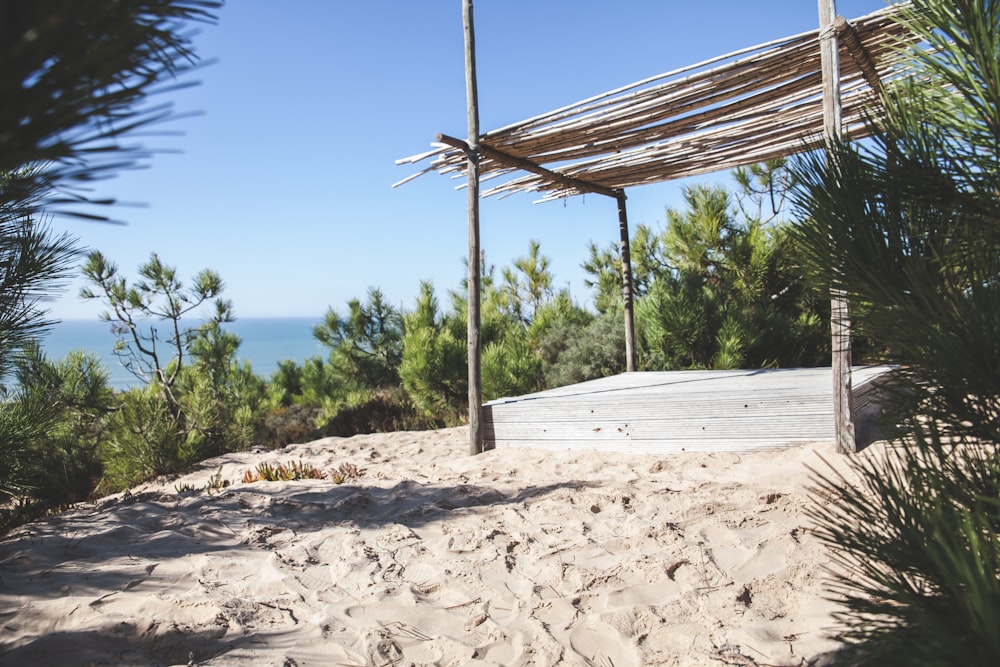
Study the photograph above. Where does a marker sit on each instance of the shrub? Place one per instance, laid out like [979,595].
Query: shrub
[382,411]
[293,424]
[917,542]
[586,353]
[908,225]
[142,441]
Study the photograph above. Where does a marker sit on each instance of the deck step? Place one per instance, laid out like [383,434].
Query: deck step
[652,412]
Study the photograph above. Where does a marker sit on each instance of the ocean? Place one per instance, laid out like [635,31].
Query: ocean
[266,341]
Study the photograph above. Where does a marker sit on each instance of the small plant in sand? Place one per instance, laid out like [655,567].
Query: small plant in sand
[346,471]
[216,483]
[300,470]
[279,472]
[295,470]
[185,488]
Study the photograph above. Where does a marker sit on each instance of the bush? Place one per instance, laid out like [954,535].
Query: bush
[382,411]
[53,424]
[908,225]
[142,441]
[510,367]
[292,424]
[588,352]
[917,543]
[434,366]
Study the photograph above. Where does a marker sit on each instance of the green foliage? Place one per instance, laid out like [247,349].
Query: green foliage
[763,189]
[917,540]
[720,287]
[561,312]
[296,470]
[285,383]
[434,367]
[222,401]
[320,381]
[34,264]
[525,287]
[346,472]
[50,426]
[698,239]
[198,401]
[575,351]
[222,415]
[908,226]
[356,390]
[280,472]
[676,322]
[215,483]
[379,411]
[517,314]
[366,344]
[604,267]
[732,297]
[22,422]
[74,79]
[511,367]
[65,455]
[159,297]
[142,440]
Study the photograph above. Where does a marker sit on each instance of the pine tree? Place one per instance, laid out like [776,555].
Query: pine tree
[907,226]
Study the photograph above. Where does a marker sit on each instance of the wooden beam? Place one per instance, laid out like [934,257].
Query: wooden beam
[475,279]
[627,290]
[840,315]
[582,186]
[859,54]
[692,121]
[527,165]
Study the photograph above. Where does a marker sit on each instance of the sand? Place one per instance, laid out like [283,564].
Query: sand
[433,557]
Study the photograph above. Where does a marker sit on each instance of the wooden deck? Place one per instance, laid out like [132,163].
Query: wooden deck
[683,411]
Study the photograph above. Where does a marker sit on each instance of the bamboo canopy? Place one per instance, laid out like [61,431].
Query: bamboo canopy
[760,103]
[751,105]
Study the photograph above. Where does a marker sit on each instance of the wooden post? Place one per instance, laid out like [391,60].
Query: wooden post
[626,282]
[840,315]
[475,279]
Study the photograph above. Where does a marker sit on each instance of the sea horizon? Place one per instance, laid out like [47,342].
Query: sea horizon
[265,341]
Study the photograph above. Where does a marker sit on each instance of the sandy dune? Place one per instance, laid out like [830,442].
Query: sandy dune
[433,557]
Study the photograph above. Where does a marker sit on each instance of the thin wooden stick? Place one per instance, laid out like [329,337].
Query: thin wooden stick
[474,286]
[729,111]
[840,322]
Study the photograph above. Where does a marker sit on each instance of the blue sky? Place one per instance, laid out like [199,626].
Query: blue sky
[282,183]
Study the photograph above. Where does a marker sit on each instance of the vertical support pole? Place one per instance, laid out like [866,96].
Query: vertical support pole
[627,292]
[474,294]
[840,315]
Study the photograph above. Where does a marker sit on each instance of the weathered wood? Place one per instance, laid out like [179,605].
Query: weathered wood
[619,139]
[521,163]
[474,277]
[859,54]
[789,127]
[627,289]
[840,319]
[678,411]
[637,111]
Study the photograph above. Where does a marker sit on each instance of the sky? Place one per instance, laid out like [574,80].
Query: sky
[281,182]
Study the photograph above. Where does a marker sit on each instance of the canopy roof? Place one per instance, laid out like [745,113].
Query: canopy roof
[741,108]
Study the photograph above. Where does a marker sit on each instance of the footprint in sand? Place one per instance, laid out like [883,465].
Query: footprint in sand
[596,642]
